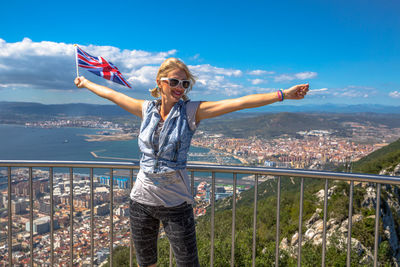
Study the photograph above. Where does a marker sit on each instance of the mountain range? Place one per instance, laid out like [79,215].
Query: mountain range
[80,109]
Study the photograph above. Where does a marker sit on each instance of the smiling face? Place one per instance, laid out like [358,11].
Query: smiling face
[172,94]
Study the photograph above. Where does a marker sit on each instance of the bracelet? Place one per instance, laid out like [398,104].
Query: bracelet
[281,95]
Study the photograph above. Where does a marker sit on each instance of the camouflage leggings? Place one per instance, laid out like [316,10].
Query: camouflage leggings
[178,225]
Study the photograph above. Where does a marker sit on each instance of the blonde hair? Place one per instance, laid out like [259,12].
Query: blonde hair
[166,67]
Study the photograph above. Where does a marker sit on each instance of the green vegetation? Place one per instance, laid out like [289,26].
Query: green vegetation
[384,158]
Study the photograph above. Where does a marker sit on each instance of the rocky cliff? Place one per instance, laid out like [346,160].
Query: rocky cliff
[363,221]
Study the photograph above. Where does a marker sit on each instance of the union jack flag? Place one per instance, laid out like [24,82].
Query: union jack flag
[100,67]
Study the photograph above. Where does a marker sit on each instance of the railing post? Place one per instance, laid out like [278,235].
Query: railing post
[324,223]
[111,215]
[350,224]
[130,236]
[51,217]
[9,230]
[377,215]
[212,219]
[255,220]
[71,222]
[170,255]
[233,221]
[91,219]
[278,211]
[31,214]
[300,237]
[192,182]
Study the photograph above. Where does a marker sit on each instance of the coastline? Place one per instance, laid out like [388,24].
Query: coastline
[215,151]
[112,137]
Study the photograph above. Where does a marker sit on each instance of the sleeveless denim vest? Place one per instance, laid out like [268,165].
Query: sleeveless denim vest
[174,142]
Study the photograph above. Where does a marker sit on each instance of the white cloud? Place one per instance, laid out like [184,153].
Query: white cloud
[306,75]
[257,81]
[320,91]
[144,76]
[284,78]
[260,72]
[394,94]
[195,57]
[199,70]
[353,91]
[297,76]
[50,65]
[212,80]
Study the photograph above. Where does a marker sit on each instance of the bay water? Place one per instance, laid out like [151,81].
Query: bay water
[19,142]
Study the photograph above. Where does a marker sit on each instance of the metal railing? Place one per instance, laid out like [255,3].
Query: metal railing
[302,174]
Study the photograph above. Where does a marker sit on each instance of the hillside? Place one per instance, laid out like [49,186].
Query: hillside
[363,217]
[362,232]
[384,159]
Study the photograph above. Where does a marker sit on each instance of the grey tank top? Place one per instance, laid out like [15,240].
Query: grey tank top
[167,189]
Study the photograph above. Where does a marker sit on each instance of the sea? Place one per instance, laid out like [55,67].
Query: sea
[19,142]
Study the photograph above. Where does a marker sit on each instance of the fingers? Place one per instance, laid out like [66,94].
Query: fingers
[304,87]
[79,81]
[302,90]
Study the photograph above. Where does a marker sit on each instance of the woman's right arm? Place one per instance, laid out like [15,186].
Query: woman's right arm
[130,104]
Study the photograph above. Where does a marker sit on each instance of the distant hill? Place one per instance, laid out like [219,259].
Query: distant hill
[61,109]
[333,108]
[272,125]
[104,110]
[237,125]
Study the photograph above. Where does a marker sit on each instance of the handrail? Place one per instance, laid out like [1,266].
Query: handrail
[357,177]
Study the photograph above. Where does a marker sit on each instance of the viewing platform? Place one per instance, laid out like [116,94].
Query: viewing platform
[112,168]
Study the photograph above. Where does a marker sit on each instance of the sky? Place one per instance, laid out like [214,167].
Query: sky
[350,49]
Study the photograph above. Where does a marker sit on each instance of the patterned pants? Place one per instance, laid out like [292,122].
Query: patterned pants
[178,225]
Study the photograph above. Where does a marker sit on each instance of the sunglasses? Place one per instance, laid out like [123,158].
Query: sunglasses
[175,82]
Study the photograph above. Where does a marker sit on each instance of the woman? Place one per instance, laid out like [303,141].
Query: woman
[162,188]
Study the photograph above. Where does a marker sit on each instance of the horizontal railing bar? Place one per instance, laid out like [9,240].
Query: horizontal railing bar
[68,164]
[357,177]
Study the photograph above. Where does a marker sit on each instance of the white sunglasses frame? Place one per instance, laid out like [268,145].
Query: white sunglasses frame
[180,82]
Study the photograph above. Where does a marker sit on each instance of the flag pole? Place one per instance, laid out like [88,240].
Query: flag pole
[76,60]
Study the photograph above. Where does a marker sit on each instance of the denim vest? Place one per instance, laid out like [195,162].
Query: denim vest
[174,142]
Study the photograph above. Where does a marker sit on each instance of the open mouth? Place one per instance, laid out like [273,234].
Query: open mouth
[177,94]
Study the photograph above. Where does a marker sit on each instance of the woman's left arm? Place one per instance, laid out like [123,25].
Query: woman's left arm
[211,109]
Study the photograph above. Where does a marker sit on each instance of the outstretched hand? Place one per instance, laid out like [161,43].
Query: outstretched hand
[297,91]
[80,82]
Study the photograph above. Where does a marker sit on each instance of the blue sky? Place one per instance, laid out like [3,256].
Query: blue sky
[351,48]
